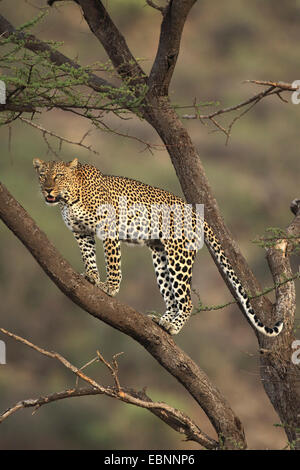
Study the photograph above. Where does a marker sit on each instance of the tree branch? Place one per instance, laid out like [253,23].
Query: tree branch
[156,341]
[179,421]
[59,137]
[17,108]
[174,17]
[35,45]
[172,417]
[112,40]
[274,88]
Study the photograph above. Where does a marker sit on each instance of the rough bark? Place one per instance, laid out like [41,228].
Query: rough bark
[174,18]
[280,376]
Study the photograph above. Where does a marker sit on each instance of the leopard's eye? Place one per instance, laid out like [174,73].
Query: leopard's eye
[58,175]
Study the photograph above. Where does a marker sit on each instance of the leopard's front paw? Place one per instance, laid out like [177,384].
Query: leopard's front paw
[166,325]
[108,289]
[92,278]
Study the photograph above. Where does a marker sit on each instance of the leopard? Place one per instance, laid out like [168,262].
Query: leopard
[119,209]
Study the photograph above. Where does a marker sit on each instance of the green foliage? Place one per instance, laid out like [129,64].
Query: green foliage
[34,82]
[276,234]
[205,308]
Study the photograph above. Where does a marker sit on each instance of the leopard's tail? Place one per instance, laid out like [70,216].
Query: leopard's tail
[218,254]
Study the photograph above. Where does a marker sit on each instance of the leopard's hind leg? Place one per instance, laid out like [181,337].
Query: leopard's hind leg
[173,268]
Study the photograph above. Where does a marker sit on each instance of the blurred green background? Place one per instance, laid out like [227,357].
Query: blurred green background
[254,178]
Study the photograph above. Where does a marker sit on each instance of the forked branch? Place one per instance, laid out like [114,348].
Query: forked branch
[273,88]
[174,18]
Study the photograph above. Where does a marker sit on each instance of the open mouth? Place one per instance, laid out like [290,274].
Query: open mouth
[51,199]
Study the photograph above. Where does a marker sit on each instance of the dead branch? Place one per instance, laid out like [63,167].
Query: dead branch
[59,137]
[173,417]
[283,86]
[227,131]
[256,98]
[274,88]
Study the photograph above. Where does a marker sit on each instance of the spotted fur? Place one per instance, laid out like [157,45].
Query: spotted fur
[80,190]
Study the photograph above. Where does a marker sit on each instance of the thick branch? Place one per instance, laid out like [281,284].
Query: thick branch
[17,108]
[112,40]
[174,17]
[157,342]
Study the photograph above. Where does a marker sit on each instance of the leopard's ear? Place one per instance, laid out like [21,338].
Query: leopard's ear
[37,163]
[73,164]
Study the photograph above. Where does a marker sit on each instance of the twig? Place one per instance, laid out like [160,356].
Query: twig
[274,88]
[237,118]
[61,139]
[148,145]
[257,97]
[281,85]
[206,308]
[58,357]
[95,359]
[156,7]
[113,368]
[50,148]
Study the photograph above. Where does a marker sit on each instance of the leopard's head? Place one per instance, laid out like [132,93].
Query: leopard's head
[58,180]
